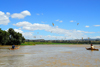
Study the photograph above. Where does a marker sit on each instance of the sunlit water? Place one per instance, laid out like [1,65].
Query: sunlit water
[50,56]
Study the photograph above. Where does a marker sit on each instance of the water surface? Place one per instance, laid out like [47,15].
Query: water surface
[50,56]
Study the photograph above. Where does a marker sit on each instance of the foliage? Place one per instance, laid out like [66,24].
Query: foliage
[11,37]
[61,43]
[33,43]
[4,37]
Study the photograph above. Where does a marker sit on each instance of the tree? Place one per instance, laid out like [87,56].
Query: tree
[4,37]
[15,38]
[23,39]
[18,38]
[11,37]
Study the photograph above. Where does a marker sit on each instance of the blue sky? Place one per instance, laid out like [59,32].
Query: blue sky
[34,18]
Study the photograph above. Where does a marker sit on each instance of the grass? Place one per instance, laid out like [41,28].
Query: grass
[28,43]
[34,43]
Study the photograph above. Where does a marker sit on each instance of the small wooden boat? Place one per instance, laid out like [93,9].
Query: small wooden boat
[11,49]
[92,49]
[14,48]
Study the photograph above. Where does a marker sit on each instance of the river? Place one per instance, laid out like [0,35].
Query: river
[50,56]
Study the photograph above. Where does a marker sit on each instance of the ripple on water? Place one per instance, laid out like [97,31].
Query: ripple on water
[50,56]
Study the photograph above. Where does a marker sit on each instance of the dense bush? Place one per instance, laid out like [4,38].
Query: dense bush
[11,37]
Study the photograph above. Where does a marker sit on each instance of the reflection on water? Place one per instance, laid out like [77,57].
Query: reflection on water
[50,56]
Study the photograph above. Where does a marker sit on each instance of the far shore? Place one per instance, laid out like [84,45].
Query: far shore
[59,45]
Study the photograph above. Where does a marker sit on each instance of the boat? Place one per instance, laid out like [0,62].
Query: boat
[14,48]
[92,49]
[11,49]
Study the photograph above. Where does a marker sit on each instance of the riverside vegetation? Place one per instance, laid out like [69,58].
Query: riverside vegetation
[45,43]
[61,43]
[10,37]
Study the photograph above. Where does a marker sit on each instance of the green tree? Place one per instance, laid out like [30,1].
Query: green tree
[23,39]
[11,37]
[4,37]
[1,36]
[15,38]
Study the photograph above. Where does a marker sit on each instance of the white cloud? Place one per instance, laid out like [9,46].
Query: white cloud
[42,22]
[18,30]
[68,34]
[25,34]
[36,26]
[57,20]
[24,23]
[95,37]
[21,15]
[86,26]
[85,31]
[71,21]
[50,37]
[8,14]
[47,37]
[96,25]
[61,21]
[75,34]
[37,14]
[4,18]
[28,35]
[89,32]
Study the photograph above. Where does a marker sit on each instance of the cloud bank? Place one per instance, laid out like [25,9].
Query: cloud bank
[87,26]
[36,26]
[96,25]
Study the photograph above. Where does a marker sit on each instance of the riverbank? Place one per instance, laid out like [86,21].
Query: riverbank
[47,43]
[36,43]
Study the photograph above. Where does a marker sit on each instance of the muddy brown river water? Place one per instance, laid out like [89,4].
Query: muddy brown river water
[50,56]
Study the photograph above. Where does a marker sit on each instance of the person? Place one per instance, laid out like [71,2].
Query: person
[92,47]
[13,46]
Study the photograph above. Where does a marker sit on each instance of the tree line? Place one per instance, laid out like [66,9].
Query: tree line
[66,41]
[10,37]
